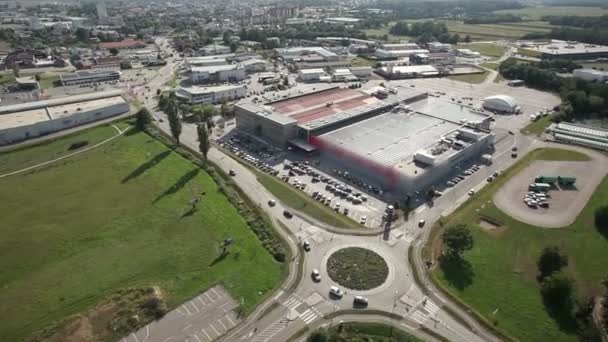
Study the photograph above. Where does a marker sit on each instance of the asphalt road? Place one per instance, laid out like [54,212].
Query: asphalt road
[288,311]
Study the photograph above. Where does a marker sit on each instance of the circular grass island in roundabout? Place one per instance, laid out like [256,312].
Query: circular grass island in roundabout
[357,268]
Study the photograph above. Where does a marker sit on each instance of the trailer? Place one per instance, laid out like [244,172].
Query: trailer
[569,181]
[546,179]
[539,187]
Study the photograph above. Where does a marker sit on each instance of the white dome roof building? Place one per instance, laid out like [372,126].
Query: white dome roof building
[501,103]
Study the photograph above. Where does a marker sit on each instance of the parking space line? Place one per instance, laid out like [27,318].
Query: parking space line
[222,324]
[215,330]
[195,307]
[198,339]
[185,308]
[230,320]
[215,292]
[135,337]
[201,300]
[211,299]
[205,332]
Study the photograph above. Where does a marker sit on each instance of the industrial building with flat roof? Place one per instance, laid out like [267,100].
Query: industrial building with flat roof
[211,95]
[569,49]
[84,77]
[407,71]
[30,120]
[405,143]
[579,135]
[217,73]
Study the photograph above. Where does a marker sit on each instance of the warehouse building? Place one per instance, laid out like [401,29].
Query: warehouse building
[30,120]
[407,71]
[501,104]
[85,77]
[206,61]
[404,143]
[591,75]
[254,65]
[311,75]
[217,73]
[582,135]
[392,54]
[314,53]
[572,50]
[211,95]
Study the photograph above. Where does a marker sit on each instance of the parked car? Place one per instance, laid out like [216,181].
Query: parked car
[287,214]
[421,223]
[306,245]
[232,173]
[272,203]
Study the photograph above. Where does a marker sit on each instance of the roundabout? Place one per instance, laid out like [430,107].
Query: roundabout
[357,268]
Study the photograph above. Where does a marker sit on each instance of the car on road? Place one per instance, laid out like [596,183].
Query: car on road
[514,155]
[511,132]
[421,223]
[272,202]
[514,149]
[306,245]
[287,214]
[335,292]
[316,275]
[232,173]
[360,301]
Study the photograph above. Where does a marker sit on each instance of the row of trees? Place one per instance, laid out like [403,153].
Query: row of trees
[426,31]
[577,21]
[581,99]
[171,107]
[493,19]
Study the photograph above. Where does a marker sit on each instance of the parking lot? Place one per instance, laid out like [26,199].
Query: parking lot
[562,203]
[202,319]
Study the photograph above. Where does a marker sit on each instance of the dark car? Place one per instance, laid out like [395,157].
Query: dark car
[287,214]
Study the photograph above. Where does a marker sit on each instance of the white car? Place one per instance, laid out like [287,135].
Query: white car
[336,292]
[471,192]
[316,275]
[360,300]
[363,219]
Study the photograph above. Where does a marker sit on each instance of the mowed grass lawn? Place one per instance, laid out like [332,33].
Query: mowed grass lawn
[110,218]
[498,279]
[470,78]
[486,49]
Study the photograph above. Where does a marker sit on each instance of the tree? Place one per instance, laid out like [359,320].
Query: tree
[82,34]
[233,47]
[317,336]
[203,139]
[467,39]
[457,239]
[114,51]
[551,260]
[16,70]
[601,219]
[286,81]
[142,119]
[175,122]
[162,102]
[557,290]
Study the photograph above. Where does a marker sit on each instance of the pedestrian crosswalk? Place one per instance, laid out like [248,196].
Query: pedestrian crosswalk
[292,302]
[424,311]
[307,232]
[271,330]
[310,315]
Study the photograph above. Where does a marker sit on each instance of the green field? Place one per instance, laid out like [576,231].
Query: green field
[498,276]
[360,61]
[359,332]
[491,50]
[48,80]
[8,77]
[299,200]
[496,31]
[114,217]
[529,53]
[537,127]
[384,30]
[535,13]
[470,78]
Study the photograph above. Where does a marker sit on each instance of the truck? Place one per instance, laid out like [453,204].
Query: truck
[568,181]
[546,179]
[539,187]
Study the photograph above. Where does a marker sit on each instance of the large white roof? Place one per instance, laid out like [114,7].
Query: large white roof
[505,99]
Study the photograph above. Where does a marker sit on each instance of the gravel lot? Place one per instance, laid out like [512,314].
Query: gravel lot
[564,204]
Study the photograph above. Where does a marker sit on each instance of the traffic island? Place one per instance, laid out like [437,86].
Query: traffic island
[357,268]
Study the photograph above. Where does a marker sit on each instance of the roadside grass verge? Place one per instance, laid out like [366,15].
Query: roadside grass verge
[366,331]
[537,127]
[117,217]
[497,278]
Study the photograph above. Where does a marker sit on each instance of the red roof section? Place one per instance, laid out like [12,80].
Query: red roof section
[125,44]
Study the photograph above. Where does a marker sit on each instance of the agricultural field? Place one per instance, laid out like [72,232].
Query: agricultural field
[497,278]
[496,31]
[536,13]
[113,218]
[379,32]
